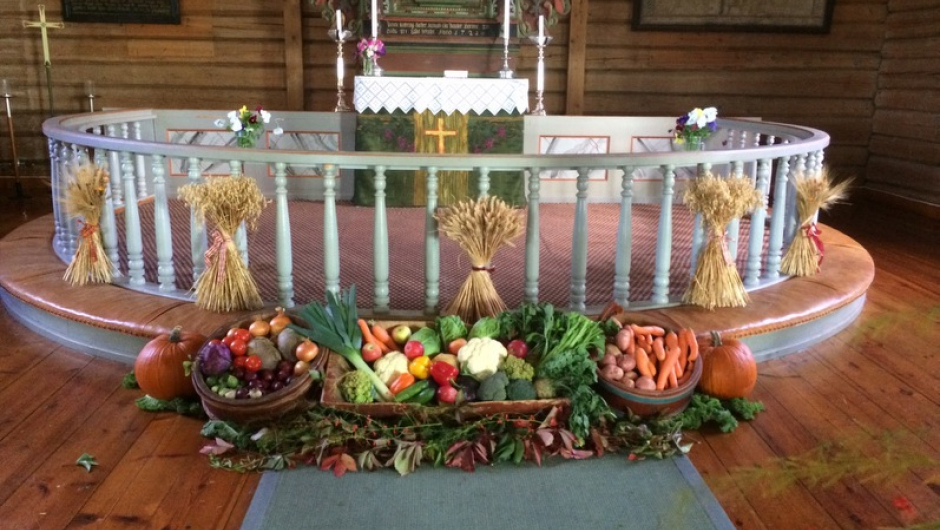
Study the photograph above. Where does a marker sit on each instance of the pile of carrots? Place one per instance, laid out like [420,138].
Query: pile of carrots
[650,357]
[378,336]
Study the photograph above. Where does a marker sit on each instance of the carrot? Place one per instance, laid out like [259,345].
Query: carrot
[643,362]
[643,341]
[656,331]
[667,367]
[680,363]
[658,349]
[382,335]
[693,344]
[671,340]
[367,335]
[673,381]
[454,347]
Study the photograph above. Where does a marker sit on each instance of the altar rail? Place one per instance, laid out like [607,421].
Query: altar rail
[773,151]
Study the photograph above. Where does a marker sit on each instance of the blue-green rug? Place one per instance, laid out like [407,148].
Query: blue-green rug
[599,493]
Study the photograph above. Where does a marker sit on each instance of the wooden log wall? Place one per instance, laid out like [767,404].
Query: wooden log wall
[905,144]
[862,83]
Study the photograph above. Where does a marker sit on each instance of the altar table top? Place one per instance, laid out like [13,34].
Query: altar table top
[441,94]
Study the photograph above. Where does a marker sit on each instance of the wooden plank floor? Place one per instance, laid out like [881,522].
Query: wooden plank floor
[874,385]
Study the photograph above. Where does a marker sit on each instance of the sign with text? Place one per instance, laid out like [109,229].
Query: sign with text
[122,11]
[419,28]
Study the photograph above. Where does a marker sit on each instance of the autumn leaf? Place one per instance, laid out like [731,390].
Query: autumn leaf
[87,461]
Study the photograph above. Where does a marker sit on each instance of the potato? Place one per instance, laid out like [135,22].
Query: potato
[609,360]
[611,349]
[612,372]
[627,362]
[646,383]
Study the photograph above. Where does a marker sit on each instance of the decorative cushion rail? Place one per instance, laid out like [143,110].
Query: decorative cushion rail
[770,153]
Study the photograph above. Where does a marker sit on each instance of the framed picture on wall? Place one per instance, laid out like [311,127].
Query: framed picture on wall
[804,16]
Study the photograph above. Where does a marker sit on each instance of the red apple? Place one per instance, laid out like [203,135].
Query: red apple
[446,394]
[414,349]
[370,352]
[518,348]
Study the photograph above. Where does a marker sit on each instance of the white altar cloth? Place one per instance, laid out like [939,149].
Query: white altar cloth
[438,94]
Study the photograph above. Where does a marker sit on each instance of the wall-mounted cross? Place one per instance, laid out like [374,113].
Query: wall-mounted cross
[440,133]
[47,61]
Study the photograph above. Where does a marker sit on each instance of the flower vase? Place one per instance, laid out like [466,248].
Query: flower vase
[245,139]
[693,144]
[370,66]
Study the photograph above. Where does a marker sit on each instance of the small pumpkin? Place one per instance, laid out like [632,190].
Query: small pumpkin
[728,369]
[159,365]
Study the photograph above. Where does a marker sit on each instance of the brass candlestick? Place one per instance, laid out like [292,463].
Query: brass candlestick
[90,94]
[340,38]
[18,186]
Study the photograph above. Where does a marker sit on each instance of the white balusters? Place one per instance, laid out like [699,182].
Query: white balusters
[69,233]
[775,239]
[579,245]
[108,222]
[241,233]
[282,244]
[141,167]
[58,213]
[483,183]
[791,219]
[380,244]
[330,231]
[432,248]
[132,238]
[114,163]
[664,239]
[756,236]
[532,241]
[624,252]
[198,238]
[734,227]
[166,274]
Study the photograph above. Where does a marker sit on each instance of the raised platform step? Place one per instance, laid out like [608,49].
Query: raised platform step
[115,322]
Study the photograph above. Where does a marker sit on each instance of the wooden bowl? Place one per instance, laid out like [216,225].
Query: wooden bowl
[271,406]
[649,403]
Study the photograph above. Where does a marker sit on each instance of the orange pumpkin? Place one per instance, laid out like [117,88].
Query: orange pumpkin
[159,365]
[728,369]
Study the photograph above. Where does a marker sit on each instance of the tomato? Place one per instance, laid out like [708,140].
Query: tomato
[239,362]
[228,340]
[243,334]
[238,347]
[216,341]
[253,363]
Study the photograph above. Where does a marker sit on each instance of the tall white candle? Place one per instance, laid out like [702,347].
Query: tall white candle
[375,19]
[540,79]
[506,22]
[541,28]
[339,23]
[339,71]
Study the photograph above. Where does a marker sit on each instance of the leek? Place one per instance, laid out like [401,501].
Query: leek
[334,326]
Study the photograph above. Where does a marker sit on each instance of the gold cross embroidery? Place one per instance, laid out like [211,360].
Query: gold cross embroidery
[42,25]
[440,133]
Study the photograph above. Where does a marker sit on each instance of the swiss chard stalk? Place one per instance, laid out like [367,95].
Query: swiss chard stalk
[335,326]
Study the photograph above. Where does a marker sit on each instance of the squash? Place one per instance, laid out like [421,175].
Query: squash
[159,365]
[728,369]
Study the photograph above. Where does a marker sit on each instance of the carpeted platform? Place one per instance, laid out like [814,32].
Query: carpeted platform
[406,253]
[596,493]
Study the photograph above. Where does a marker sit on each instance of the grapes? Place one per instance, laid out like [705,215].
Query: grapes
[241,393]
[285,366]
[256,383]
[276,385]
[266,375]
[239,372]
[250,376]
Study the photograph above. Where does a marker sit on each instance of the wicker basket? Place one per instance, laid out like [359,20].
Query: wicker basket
[289,399]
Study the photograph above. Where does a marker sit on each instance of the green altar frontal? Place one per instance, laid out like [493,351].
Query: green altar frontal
[439,115]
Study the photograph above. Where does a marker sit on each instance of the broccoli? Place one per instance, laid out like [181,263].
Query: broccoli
[544,388]
[520,390]
[493,388]
[517,368]
[356,387]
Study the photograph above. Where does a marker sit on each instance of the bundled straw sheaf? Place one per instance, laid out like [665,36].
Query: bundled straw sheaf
[814,191]
[480,227]
[716,282]
[85,196]
[227,202]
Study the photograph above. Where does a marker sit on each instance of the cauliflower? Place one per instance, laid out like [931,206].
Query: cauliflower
[392,365]
[517,368]
[481,357]
[356,387]
[544,388]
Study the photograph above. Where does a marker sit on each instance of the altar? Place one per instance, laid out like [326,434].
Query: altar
[439,115]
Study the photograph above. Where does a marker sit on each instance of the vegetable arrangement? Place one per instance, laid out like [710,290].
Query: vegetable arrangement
[256,360]
[649,357]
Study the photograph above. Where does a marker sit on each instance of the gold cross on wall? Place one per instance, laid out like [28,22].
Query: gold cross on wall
[42,25]
[440,133]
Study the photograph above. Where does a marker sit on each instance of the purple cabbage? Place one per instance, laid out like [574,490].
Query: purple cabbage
[214,358]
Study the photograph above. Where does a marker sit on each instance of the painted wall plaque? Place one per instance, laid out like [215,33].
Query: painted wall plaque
[122,11]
